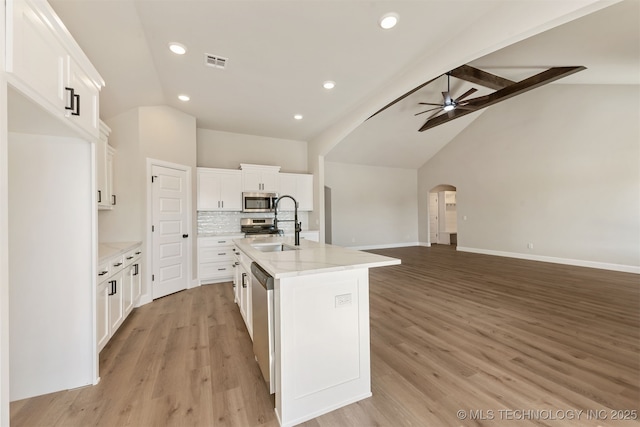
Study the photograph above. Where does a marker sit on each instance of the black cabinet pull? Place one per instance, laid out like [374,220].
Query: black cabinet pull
[184,236]
[138,253]
[135,271]
[117,264]
[113,199]
[244,284]
[99,196]
[113,287]
[130,257]
[102,273]
[72,99]
[77,109]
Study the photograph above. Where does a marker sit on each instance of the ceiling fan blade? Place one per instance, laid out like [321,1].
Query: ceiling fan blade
[464,95]
[429,103]
[465,107]
[447,98]
[426,111]
[433,115]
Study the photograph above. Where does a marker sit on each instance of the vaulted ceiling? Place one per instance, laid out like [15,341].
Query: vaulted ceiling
[280,52]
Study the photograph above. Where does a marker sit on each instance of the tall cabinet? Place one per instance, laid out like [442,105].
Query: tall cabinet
[53,129]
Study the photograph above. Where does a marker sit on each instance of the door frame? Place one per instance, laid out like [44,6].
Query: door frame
[147,296]
[437,189]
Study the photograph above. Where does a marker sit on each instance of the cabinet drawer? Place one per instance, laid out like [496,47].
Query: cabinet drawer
[132,256]
[209,242]
[103,271]
[212,270]
[217,254]
[116,265]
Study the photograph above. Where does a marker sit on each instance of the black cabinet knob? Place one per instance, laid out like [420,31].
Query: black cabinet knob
[184,236]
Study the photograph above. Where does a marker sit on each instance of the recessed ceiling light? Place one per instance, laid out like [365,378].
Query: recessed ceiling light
[329,84]
[177,48]
[183,98]
[298,117]
[388,21]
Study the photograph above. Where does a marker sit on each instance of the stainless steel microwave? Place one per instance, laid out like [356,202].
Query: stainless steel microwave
[258,202]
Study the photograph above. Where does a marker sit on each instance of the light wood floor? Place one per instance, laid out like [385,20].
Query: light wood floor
[510,342]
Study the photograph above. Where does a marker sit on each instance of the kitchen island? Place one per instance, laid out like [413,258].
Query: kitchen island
[320,312]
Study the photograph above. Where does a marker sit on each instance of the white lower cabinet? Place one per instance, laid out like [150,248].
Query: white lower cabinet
[119,289]
[243,289]
[116,295]
[132,280]
[102,306]
[216,259]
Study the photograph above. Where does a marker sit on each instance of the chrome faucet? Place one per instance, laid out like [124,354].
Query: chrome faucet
[297,225]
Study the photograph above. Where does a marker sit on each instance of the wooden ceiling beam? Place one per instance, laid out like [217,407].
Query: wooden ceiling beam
[400,98]
[482,78]
[540,79]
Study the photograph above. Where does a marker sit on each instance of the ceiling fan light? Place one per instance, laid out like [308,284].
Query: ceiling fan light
[388,21]
[449,107]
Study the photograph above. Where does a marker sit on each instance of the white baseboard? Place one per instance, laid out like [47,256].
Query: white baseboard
[144,299]
[425,244]
[384,246]
[555,260]
[194,284]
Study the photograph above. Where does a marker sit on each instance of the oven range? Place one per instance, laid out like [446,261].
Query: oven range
[253,226]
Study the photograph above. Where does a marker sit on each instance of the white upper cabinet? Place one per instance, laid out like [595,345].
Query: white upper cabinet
[258,178]
[104,169]
[300,187]
[83,106]
[219,190]
[45,63]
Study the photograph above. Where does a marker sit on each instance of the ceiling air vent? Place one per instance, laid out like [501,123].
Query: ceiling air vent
[215,61]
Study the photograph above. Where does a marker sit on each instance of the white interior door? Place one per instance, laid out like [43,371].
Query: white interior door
[170,230]
[433,218]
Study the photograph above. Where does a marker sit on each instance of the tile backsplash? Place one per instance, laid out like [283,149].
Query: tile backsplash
[229,222]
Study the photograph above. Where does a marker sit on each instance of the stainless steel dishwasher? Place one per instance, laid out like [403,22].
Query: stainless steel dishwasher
[263,325]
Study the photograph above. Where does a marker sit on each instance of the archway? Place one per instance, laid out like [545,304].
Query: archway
[443,215]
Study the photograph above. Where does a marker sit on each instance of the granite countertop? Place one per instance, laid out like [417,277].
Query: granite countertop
[309,258]
[111,249]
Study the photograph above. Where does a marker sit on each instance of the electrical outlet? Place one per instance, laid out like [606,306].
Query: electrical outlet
[342,300]
[530,245]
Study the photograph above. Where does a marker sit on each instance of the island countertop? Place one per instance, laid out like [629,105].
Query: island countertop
[308,258]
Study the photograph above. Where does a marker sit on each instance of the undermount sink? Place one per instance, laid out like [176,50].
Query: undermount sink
[279,247]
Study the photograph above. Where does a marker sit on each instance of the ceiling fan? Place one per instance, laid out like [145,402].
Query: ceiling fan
[448,104]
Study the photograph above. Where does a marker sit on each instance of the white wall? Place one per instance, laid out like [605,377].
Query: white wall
[124,222]
[557,167]
[51,241]
[217,149]
[4,244]
[160,133]
[372,206]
